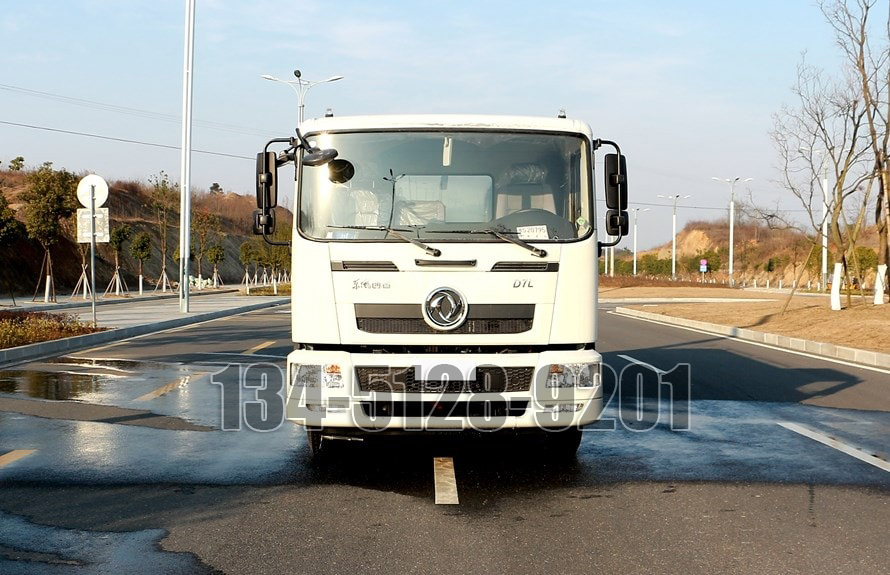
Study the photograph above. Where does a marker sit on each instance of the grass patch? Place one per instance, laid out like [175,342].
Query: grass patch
[283,289]
[23,327]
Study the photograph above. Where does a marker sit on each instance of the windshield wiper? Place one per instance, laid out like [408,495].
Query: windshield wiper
[500,234]
[435,252]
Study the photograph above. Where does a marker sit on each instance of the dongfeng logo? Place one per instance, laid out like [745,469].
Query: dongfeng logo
[444,309]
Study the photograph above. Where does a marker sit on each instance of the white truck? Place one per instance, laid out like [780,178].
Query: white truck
[444,274]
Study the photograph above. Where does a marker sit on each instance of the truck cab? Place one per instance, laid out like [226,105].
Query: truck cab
[444,274]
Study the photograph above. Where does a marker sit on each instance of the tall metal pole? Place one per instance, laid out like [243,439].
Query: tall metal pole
[186,157]
[674,241]
[731,228]
[93,250]
[731,182]
[636,213]
[635,241]
[825,229]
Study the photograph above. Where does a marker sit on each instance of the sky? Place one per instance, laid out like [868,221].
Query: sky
[687,88]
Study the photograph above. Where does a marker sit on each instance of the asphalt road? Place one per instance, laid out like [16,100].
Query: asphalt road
[114,462]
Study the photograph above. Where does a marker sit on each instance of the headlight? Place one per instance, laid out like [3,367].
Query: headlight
[581,375]
[307,376]
[316,375]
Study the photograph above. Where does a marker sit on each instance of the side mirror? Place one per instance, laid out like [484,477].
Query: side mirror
[263,223]
[616,223]
[616,182]
[266,171]
[315,158]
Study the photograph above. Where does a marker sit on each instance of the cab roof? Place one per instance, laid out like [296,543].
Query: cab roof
[446,121]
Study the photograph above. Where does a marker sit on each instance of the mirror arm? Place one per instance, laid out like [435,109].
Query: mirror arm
[601,245]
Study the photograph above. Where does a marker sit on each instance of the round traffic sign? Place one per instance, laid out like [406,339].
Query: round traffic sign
[92,185]
[703,262]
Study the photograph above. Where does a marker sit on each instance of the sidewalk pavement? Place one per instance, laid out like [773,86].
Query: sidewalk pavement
[129,317]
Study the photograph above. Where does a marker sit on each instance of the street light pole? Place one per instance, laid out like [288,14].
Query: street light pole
[825,228]
[674,198]
[301,88]
[731,182]
[825,207]
[636,211]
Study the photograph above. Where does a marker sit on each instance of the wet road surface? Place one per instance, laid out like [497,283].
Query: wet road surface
[114,461]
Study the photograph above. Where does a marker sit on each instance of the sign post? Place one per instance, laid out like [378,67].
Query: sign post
[92,191]
[703,268]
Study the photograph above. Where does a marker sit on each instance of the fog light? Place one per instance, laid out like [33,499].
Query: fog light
[563,408]
[332,377]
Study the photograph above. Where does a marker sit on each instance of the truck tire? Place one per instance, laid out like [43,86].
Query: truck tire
[562,445]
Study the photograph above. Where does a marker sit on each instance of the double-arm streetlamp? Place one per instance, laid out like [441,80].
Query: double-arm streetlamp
[301,88]
[636,211]
[674,198]
[731,182]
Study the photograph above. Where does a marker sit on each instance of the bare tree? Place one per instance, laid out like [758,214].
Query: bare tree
[164,195]
[825,132]
[869,61]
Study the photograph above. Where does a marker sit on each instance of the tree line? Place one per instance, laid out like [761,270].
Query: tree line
[50,200]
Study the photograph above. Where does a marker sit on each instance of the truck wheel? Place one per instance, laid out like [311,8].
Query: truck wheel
[562,445]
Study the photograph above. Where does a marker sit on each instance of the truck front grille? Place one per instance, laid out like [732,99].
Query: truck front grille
[489,379]
[418,326]
[486,409]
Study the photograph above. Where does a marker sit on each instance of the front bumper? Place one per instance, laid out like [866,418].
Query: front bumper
[340,401]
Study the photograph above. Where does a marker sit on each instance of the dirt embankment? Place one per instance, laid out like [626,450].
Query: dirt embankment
[862,326]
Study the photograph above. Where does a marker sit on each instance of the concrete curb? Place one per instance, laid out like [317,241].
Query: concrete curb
[864,357]
[40,306]
[20,354]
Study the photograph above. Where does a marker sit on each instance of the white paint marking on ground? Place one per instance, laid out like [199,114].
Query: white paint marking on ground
[14,455]
[446,484]
[232,353]
[836,444]
[173,385]
[758,344]
[642,363]
[259,347]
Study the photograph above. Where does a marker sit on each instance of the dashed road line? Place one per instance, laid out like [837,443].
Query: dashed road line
[642,363]
[837,444]
[173,385]
[446,484]
[14,455]
[259,347]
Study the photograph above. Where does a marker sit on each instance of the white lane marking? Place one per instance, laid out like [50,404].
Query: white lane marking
[233,353]
[446,484]
[758,344]
[259,347]
[642,363]
[836,444]
[14,455]
[173,385]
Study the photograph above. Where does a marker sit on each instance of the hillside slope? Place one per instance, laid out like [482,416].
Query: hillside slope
[128,202]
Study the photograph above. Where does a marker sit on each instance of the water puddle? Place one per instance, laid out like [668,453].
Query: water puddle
[27,548]
[54,385]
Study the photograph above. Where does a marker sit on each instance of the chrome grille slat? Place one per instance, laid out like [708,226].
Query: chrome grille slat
[418,326]
[489,379]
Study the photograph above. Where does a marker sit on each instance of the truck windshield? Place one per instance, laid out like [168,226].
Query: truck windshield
[448,186]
